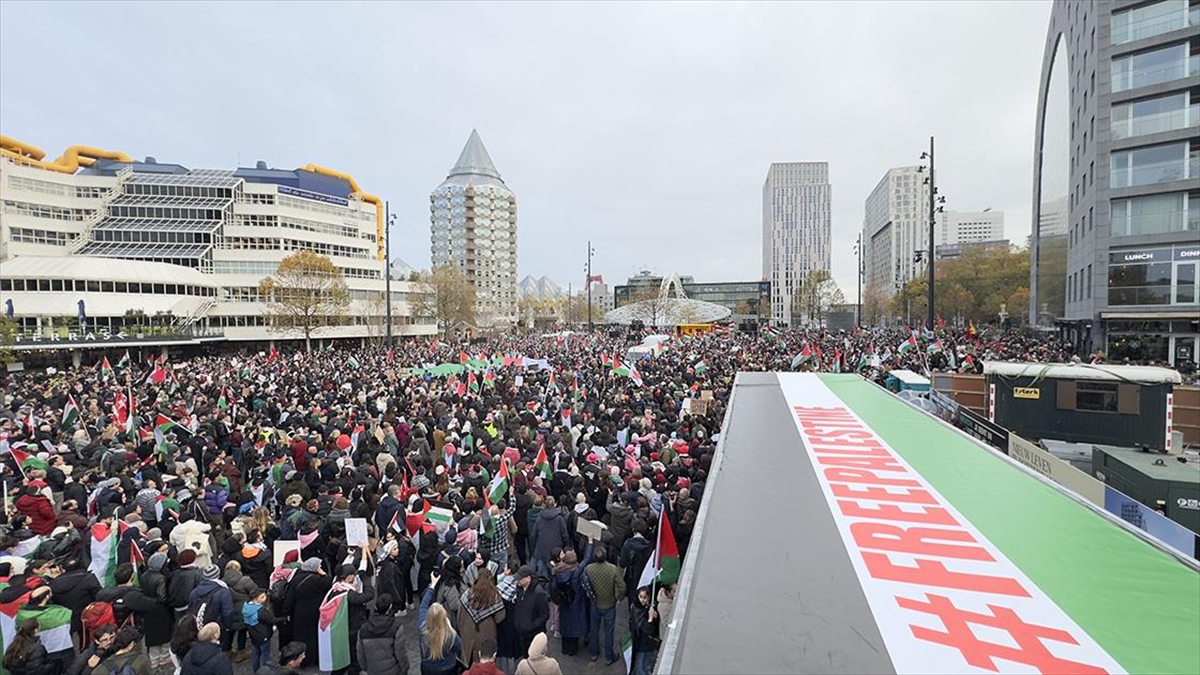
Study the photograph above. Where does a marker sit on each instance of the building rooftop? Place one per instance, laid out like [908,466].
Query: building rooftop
[1083,371]
[108,269]
[1157,466]
[474,166]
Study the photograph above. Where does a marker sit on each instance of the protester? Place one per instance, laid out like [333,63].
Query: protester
[26,655]
[382,647]
[205,657]
[538,663]
[125,657]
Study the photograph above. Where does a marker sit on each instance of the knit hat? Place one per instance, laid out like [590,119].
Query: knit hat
[292,555]
[156,562]
[525,571]
[420,482]
[187,556]
[212,572]
[311,565]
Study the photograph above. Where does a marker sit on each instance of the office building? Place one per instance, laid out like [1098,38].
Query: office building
[968,227]
[96,247]
[746,300]
[796,230]
[1116,214]
[474,216]
[895,230]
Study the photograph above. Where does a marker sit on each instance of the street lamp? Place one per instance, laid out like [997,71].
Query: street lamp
[858,308]
[590,252]
[389,220]
[935,207]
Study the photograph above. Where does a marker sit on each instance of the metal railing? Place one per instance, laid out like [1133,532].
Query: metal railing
[101,212]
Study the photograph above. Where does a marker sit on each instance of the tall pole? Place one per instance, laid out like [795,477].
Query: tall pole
[859,271]
[589,285]
[932,223]
[387,268]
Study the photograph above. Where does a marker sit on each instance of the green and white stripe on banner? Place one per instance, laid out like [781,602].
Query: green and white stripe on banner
[969,563]
[627,652]
[440,517]
[54,626]
[8,622]
[333,632]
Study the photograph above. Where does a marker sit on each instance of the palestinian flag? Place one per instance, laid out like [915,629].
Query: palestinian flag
[908,345]
[352,361]
[542,464]
[552,383]
[463,358]
[106,368]
[333,632]
[803,357]
[607,361]
[223,401]
[104,540]
[837,361]
[163,424]
[566,417]
[935,347]
[137,560]
[124,362]
[576,392]
[70,416]
[26,460]
[968,364]
[472,383]
[158,375]
[8,621]
[618,367]
[627,652]
[663,566]
[440,517]
[489,379]
[54,626]
[499,485]
[700,367]
[166,507]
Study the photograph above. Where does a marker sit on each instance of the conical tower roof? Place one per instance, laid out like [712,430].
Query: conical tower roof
[474,166]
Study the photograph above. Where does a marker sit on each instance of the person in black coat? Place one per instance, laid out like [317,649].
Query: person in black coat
[357,610]
[74,589]
[391,575]
[381,645]
[158,621]
[306,591]
[26,655]
[531,610]
[91,656]
[205,657]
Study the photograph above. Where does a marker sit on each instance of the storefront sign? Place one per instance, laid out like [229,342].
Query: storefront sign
[1027,392]
[1056,469]
[1152,255]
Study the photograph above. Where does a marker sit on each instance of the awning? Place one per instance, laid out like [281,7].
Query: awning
[1183,313]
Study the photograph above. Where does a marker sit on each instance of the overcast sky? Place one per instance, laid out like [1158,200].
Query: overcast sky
[647,127]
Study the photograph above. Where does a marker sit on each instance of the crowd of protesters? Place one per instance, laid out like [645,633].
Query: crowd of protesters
[145,502]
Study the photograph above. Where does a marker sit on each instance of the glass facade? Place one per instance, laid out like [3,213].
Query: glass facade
[1053,191]
[1160,276]
[1153,67]
[1155,214]
[1149,20]
[1154,115]
[1150,165]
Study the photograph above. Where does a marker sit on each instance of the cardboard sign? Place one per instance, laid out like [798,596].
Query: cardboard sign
[590,528]
[356,532]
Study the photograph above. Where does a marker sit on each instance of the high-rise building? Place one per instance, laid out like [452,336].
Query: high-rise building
[1116,209]
[103,248]
[968,227]
[474,216]
[895,228]
[796,230]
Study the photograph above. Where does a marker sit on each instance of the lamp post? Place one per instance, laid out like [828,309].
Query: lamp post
[935,207]
[590,252]
[388,220]
[858,308]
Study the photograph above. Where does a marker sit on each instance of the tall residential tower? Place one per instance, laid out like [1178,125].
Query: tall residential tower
[474,216]
[1116,204]
[796,230]
[895,228]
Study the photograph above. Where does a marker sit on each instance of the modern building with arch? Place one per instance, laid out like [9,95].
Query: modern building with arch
[1116,179]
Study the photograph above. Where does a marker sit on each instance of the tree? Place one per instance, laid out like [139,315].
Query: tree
[8,337]
[446,296]
[973,286]
[306,293]
[910,303]
[874,305]
[815,297]
[654,305]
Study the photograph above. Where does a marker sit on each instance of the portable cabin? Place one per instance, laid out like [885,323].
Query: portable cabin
[907,380]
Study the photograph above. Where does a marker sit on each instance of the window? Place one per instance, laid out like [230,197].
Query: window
[1150,165]
[1096,396]
[1153,214]
[1146,68]
[1149,20]
[1087,283]
[1153,115]
[1140,284]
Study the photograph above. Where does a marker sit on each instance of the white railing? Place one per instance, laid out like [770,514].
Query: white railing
[101,212]
[201,311]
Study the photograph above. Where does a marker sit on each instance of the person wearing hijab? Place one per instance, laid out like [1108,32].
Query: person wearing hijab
[306,591]
[538,662]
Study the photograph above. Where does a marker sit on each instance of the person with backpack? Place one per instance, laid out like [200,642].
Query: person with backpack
[100,648]
[260,622]
[26,655]
[449,588]
[125,659]
[211,601]
[566,591]
[159,621]
[129,605]
[75,589]
[183,581]
[243,589]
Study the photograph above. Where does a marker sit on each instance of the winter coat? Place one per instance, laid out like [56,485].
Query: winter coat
[36,662]
[257,567]
[573,618]
[242,589]
[218,601]
[477,625]
[642,629]
[40,512]
[381,646]
[159,621]
[114,663]
[261,632]
[531,611]
[306,591]
[128,601]
[79,666]
[450,654]
[482,668]
[274,669]
[620,519]
[206,658]
[193,534]
[549,532]
[75,590]
[215,499]
[538,662]
[181,584]
[634,554]
[664,608]
[388,507]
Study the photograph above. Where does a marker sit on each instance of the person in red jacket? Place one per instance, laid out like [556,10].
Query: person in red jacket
[37,507]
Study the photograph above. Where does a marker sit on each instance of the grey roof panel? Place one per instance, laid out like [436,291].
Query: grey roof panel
[768,586]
